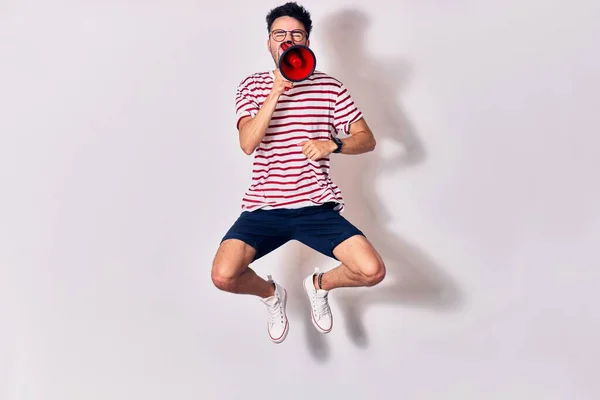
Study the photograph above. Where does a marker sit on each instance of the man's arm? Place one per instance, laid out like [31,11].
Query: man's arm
[349,119]
[361,139]
[252,130]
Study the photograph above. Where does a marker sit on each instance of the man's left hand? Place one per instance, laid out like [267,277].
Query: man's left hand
[316,149]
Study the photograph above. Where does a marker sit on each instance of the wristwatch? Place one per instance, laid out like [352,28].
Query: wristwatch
[338,142]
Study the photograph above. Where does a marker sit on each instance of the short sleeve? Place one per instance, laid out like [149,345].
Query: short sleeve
[245,101]
[345,112]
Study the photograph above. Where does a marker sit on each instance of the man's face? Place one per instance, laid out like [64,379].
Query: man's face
[285,29]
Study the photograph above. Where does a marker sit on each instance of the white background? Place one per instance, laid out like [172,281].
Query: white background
[120,171]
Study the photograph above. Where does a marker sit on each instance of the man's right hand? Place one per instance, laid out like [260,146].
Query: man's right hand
[280,84]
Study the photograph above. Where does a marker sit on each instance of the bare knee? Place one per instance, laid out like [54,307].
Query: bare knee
[362,259]
[224,276]
[373,272]
[231,260]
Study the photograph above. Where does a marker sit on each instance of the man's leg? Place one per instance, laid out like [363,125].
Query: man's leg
[361,265]
[231,271]
[326,231]
[251,237]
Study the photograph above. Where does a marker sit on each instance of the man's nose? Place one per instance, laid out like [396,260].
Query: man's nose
[288,34]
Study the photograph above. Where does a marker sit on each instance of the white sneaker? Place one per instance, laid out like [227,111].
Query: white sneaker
[277,323]
[322,318]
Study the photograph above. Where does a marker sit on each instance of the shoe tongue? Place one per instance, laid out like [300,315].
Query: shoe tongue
[270,301]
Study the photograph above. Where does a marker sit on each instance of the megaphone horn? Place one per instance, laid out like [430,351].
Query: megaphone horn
[297,62]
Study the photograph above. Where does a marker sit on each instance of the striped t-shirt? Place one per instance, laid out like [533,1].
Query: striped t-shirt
[315,109]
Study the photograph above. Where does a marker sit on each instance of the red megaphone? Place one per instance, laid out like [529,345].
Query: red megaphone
[297,62]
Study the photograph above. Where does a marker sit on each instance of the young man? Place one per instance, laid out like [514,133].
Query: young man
[291,128]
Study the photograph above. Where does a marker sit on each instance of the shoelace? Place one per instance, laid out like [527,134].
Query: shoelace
[320,305]
[275,313]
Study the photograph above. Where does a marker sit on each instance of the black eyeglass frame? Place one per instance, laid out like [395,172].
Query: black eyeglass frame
[275,31]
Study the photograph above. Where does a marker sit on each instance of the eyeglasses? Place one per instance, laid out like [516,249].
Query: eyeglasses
[279,35]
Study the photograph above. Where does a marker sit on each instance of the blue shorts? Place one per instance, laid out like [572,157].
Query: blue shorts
[321,228]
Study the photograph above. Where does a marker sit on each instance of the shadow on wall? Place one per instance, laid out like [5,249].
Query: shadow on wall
[413,278]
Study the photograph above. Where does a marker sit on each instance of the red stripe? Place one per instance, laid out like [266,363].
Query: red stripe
[300,123]
[247,200]
[288,203]
[246,108]
[256,170]
[250,208]
[292,189]
[300,116]
[280,147]
[244,84]
[299,197]
[288,175]
[312,92]
[289,153]
[291,196]
[315,99]
[326,108]
[303,160]
[282,132]
[260,97]
[340,110]
[343,117]
[243,103]
[323,197]
[339,96]
[270,171]
[267,85]
[283,183]
[283,140]
[289,146]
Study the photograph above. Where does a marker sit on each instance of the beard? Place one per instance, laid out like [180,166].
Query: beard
[276,52]
[275,55]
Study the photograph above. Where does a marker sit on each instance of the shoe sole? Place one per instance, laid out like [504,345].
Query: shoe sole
[312,315]
[287,323]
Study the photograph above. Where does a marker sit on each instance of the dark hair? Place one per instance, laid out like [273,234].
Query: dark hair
[290,9]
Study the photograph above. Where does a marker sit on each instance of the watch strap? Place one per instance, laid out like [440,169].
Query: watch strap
[338,142]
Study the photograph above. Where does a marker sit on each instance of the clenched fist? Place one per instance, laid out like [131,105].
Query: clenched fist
[280,84]
[316,149]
